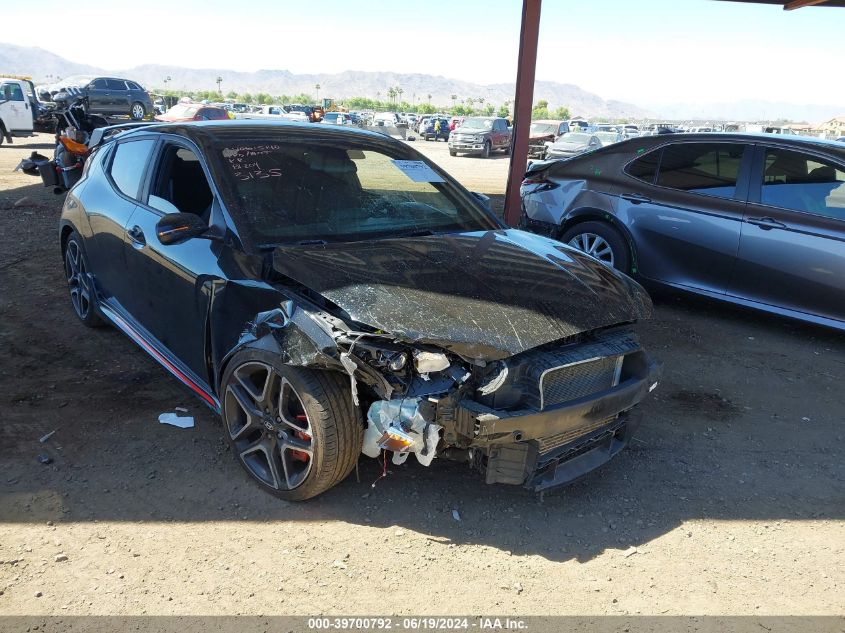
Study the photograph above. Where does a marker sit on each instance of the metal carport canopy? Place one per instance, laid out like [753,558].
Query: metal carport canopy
[524,97]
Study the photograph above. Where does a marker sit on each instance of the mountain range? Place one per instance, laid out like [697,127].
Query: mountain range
[45,67]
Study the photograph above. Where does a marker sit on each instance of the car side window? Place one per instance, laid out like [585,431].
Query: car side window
[132,85]
[180,184]
[645,167]
[115,84]
[707,168]
[98,84]
[11,92]
[127,167]
[797,181]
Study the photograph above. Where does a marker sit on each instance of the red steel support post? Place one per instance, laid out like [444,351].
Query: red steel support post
[523,102]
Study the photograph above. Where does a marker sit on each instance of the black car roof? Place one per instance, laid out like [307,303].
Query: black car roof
[207,130]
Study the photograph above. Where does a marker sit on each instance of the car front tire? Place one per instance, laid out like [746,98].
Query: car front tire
[485,153]
[602,241]
[294,430]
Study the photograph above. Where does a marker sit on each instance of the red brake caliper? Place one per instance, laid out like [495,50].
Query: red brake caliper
[301,455]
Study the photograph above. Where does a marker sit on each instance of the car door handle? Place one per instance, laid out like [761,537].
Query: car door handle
[767,223]
[636,198]
[137,235]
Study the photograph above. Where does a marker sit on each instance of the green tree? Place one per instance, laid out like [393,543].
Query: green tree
[489,109]
[503,110]
[540,110]
[262,98]
[246,97]
[232,95]
[561,113]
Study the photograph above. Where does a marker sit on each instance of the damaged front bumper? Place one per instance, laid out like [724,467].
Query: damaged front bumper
[552,447]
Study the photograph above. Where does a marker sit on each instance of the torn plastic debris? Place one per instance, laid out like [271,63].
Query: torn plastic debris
[427,362]
[183,422]
[496,382]
[397,425]
[350,366]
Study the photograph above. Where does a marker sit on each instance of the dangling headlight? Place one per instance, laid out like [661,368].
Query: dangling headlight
[398,361]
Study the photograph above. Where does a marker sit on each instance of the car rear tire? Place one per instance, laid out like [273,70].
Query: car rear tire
[137,111]
[485,153]
[294,430]
[602,241]
[82,295]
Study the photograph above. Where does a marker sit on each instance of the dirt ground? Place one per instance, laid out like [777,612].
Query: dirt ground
[730,501]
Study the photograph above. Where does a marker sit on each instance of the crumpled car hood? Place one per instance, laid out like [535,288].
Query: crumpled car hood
[484,295]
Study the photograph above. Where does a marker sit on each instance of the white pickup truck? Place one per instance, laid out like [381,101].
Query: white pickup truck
[17,99]
[272,112]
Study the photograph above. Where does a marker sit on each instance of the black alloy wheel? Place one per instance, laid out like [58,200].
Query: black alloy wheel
[294,430]
[79,283]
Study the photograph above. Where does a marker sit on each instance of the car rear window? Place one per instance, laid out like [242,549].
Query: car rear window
[645,167]
[133,86]
[707,168]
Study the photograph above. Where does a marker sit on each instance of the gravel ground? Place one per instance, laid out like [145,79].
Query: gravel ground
[730,501]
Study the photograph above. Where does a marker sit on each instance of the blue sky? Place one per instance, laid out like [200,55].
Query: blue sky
[644,51]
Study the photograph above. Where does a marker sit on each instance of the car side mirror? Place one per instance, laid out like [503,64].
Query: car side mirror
[175,228]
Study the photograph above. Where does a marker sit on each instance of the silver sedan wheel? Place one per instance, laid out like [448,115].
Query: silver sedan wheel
[594,245]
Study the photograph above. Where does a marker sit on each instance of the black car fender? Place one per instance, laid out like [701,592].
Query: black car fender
[242,316]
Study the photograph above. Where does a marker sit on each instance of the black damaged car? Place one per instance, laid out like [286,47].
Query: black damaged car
[330,292]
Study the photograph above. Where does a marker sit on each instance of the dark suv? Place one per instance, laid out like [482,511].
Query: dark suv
[110,96]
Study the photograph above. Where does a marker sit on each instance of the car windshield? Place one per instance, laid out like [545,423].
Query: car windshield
[575,137]
[75,80]
[538,129]
[337,190]
[181,110]
[478,124]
